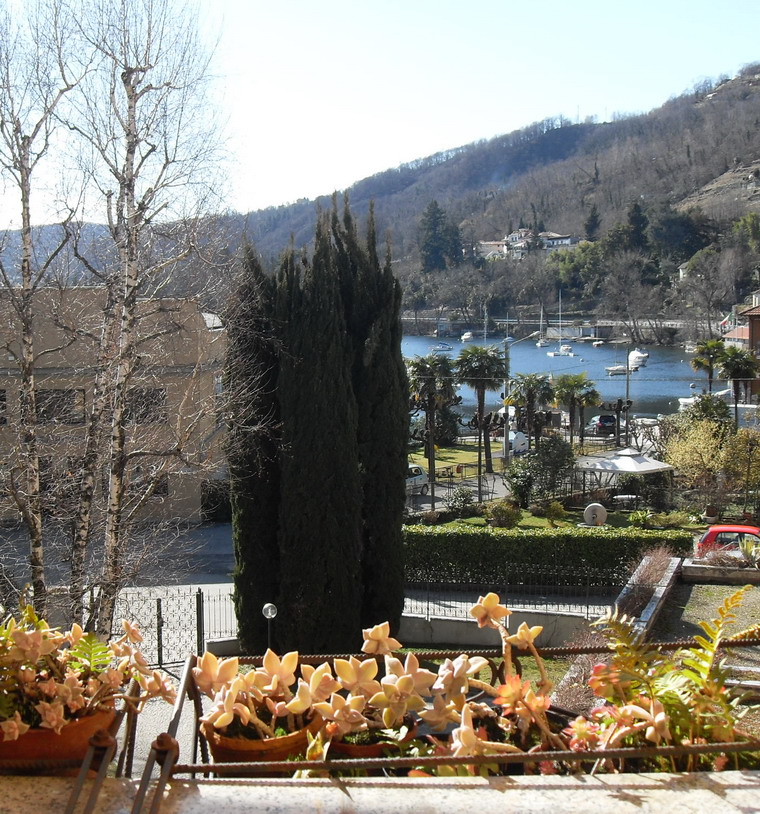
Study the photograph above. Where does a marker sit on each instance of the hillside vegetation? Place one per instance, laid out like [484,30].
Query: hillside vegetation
[677,185]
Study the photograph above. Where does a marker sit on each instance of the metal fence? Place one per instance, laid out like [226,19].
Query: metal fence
[587,591]
[175,621]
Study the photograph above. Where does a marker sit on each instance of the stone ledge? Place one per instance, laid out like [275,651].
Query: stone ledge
[643,793]
[694,571]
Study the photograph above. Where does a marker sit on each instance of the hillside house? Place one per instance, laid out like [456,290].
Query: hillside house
[518,243]
[172,430]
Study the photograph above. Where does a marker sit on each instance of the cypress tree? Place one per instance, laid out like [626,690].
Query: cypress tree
[372,301]
[251,372]
[320,498]
[318,453]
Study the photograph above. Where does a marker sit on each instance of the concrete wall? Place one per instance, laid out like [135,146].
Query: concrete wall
[416,631]
[559,629]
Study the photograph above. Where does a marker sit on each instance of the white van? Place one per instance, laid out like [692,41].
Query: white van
[416,481]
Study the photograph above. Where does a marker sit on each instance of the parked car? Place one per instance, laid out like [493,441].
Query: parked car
[726,538]
[416,481]
[601,425]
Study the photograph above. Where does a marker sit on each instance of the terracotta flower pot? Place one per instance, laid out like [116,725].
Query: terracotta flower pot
[71,744]
[246,750]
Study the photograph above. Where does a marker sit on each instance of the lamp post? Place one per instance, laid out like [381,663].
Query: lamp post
[506,449]
[269,611]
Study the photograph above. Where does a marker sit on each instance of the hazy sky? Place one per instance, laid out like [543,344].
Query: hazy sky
[318,94]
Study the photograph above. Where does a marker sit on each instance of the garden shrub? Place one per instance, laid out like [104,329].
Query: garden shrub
[639,519]
[462,502]
[504,514]
[491,555]
[555,512]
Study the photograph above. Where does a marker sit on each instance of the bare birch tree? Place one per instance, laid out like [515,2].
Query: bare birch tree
[139,116]
[115,94]
[38,68]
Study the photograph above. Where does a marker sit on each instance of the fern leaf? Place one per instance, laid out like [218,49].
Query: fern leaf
[90,654]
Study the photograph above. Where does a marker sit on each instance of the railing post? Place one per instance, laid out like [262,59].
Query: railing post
[200,633]
[159,633]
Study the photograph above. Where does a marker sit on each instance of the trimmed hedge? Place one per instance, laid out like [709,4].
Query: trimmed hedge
[490,556]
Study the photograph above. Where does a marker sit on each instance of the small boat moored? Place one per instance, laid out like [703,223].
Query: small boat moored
[466,336]
[620,370]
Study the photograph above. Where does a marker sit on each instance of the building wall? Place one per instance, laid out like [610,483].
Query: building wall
[173,396]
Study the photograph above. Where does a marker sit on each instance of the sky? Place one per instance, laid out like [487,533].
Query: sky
[318,94]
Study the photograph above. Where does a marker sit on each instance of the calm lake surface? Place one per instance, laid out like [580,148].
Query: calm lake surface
[654,389]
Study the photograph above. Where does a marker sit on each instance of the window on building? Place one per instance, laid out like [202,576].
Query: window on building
[61,406]
[146,405]
[3,408]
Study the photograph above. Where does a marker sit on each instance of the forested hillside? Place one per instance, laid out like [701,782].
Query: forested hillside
[679,186]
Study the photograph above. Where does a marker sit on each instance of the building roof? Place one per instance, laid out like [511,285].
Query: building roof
[739,332]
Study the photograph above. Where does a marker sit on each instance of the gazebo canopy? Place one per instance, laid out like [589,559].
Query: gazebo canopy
[624,461]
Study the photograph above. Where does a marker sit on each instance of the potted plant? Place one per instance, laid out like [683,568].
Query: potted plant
[648,698]
[57,688]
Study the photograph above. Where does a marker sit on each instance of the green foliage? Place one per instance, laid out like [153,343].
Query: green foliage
[688,686]
[520,478]
[439,239]
[670,520]
[504,514]
[555,512]
[639,519]
[90,655]
[550,463]
[319,425]
[462,502]
[466,554]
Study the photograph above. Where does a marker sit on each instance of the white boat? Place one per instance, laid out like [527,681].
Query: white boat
[466,336]
[638,357]
[542,342]
[562,350]
[441,347]
[690,347]
[597,343]
[620,370]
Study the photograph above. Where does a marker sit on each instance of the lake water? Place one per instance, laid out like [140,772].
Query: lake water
[654,389]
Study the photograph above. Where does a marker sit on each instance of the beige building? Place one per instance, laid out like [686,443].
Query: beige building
[172,428]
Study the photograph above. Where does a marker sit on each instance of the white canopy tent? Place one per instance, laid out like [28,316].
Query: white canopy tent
[602,471]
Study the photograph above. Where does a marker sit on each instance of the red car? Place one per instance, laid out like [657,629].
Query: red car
[726,538]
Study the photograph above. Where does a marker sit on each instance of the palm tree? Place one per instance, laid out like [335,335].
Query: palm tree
[431,381]
[531,390]
[570,391]
[738,365]
[706,358]
[482,369]
[588,397]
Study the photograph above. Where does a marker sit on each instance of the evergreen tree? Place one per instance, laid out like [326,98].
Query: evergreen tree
[440,240]
[252,449]
[320,497]
[637,228]
[372,300]
[592,224]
